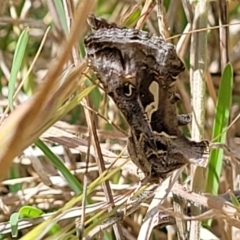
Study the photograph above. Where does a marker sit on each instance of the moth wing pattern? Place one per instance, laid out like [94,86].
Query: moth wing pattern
[138,71]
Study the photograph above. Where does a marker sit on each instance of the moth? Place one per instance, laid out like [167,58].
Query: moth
[138,71]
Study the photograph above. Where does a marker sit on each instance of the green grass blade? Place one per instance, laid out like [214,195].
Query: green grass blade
[61,14]
[71,179]
[16,64]
[29,212]
[219,129]
[33,212]
[234,199]
[14,173]
[14,224]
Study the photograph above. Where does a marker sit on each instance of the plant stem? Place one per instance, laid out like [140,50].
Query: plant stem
[198,63]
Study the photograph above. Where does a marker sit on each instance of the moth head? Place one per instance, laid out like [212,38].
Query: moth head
[97,23]
[173,64]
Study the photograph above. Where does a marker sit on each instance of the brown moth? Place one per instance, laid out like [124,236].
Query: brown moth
[138,71]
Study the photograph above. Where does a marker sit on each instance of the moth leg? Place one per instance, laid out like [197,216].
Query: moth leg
[144,152]
[184,119]
[193,152]
[135,151]
[175,97]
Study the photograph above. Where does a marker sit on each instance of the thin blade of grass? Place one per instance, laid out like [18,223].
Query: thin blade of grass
[61,13]
[234,199]
[15,173]
[33,212]
[16,64]
[14,224]
[219,129]
[71,179]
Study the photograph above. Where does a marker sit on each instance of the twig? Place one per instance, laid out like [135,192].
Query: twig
[198,62]
[162,22]
[96,145]
[153,211]
[147,9]
[223,33]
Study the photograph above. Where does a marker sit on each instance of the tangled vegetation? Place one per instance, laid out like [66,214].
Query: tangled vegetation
[65,171]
